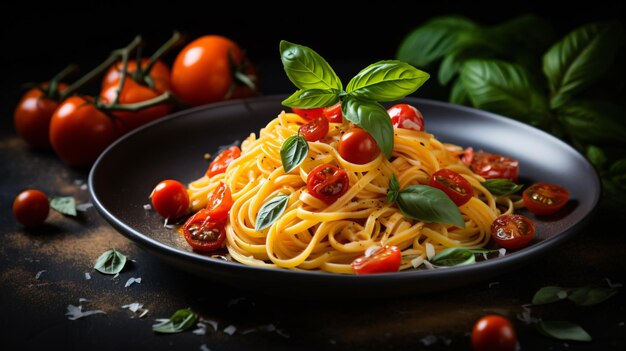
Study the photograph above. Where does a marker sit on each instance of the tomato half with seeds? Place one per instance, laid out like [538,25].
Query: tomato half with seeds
[315,130]
[545,198]
[327,182]
[406,116]
[220,202]
[170,199]
[221,161]
[493,332]
[358,146]
[458,189]
[512,231]
[491,166]
[203,232]
[385,259]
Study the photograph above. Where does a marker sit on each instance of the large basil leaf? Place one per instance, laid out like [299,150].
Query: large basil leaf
[458,94]
[594,121]
[435,39]
[386,81]
[428,204]
[580,58]
[312,98]
[563,330]
[271,211]
[293,151]
[372,117]
[307,69]
[452,63]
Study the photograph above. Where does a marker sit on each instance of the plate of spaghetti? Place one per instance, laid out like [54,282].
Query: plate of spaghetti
[310,229]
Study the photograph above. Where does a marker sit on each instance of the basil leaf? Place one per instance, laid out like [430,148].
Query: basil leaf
[306,69]
[270,211]
[550,294]
[524,34]
[579,59]
[563,330]
[372,117]
[293,152]
[110,262]
[65,205]
[454,256]
[181,320]
[618,171]
[590,295]
[312,98]
[594,121]
[452,63]
[596,156]
[428,204]
[458,94]
[386,81]
[435,39]
[503,88]
[394,188]
[501,187]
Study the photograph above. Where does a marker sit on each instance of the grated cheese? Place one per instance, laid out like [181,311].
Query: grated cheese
[230,330]
[132,281]
[430,251]
[38,275]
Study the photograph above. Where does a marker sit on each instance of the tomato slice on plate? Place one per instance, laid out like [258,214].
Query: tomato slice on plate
[492,166]
[512,231]
[220,202]
[315,130]
[385,259]
[406,116]
[327,182]
[221,161]
[458,189]
[545,198]
[203,232]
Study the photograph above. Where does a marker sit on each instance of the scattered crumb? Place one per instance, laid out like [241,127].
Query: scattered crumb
[38,275]
[203,347]
[132,281]
[87,276]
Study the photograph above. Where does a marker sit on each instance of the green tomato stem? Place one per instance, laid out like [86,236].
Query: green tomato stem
[52,91]
[163,98]
[176,39]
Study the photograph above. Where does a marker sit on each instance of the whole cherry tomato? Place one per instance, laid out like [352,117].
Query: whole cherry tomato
[327,182]
[493,333]
[385,259]
[512,231]
[458,189]
[358,146]
[79,132]
[220,202]
[159,74]
[170,199]
[203,232]
[33,114]
[406,116]
[332,113]
[491,166]
[221,161]
[315,130]
[203,73]
[545,198]
[31,207]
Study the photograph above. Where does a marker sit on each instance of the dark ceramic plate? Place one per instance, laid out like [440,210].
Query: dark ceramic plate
[173,148]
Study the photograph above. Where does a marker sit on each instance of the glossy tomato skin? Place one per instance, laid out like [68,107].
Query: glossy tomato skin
[32,117]
[458,189]
[220,202]
[544,198]
[170,199]
[202,72]
[221,161]
[512,231]
[384,260]
[327,182]
[309,113]
[160,74]
[357,146]
[315,130]
[31,207]
[493,332]
[491,166]
[79,132]
[406,116]
[333,113]
[204,233]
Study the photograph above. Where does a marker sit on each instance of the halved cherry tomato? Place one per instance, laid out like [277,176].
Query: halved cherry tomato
[333,113]
[458,189]
[406,116]
[31,207]
[220,202]
[33,114]
[170,199]
[203,232]
[159,74]
[545,198]
[315,130]
[358,146]
[221,161]
[467,156]
[386,259]
[491,166]
[309,113]
[512,231]
[494,332]
[327,182]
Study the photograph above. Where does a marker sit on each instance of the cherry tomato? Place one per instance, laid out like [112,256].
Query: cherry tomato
[333,113]
[79,131]
[490,166]
[545,198]
[159,74]
[33,114]
[203,232]
[221,161]
[327,182]
[220,202]
[386,259]
[458,189]
[170,199]
[467,156]
[512,231]
[202,71]
[309,113]
[357,146]
[31,207]
[494,333]
[315,130]
[406,116]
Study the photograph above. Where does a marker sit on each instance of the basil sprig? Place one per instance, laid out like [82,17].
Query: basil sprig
[270,211]
[180,321]
[320,87]
[424,203]
[110,262]
[501,186]
[293,151]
